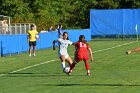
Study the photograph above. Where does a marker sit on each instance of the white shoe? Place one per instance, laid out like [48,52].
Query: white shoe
[30,55]
[88,74]
[34,54]
[69,73]
[128,52]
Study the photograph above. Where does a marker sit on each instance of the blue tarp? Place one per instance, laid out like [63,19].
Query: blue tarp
[18,43]
[115,21]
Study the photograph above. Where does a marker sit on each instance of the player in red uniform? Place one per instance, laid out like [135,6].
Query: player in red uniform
[81,53]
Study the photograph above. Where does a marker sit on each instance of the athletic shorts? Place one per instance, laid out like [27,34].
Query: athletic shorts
[80,57]
[66,55]
[32,43]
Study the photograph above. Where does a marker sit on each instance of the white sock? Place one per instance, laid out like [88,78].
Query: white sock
[88,71]
[34,54]
[63,65]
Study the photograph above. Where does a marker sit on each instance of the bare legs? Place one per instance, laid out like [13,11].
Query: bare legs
[86,66]
[133,50]
[63,60]
[30,50]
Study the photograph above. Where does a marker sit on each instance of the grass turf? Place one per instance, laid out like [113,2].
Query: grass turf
[111,72]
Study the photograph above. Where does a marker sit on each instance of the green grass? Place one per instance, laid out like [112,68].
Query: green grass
[111,72]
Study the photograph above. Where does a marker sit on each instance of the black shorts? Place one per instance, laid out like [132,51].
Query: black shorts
[32,43]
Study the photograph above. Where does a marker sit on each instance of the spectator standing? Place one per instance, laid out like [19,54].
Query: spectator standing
[50,29]
[32,33]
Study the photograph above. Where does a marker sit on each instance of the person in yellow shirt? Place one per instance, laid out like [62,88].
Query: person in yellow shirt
[32,40]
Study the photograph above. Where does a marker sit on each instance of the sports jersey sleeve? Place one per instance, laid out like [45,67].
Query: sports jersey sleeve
[36,32]
[88,47]
[76,45]
[69,42]
[60,40]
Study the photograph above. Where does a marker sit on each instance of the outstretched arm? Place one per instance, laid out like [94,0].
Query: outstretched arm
[133,50]
[74,43]
[55,41]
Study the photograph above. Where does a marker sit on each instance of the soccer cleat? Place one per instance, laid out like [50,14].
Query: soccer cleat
[69,73]
[88,74]
[34,55]
[128,52]
[30,55]
[64,70]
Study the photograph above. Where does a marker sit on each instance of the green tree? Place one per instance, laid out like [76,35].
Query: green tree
[70,13]
[128,3]
[18,10]
[106,4]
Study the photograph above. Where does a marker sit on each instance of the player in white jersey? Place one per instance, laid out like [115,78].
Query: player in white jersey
[62,52]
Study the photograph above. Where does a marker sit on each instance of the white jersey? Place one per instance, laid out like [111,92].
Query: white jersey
[63,44]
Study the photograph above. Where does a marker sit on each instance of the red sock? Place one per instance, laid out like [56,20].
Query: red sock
[72,66]
[87,65]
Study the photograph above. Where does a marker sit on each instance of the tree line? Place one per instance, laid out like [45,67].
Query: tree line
[71,14]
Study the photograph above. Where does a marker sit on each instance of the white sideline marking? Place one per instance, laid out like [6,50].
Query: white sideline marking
[28,67]
[114,47]
[58,59]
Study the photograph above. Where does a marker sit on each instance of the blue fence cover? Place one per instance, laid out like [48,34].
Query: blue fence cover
[18,43]
[115,21]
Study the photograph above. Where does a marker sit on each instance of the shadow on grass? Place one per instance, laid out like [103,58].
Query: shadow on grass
[30,74]
[115,85]
[34,74]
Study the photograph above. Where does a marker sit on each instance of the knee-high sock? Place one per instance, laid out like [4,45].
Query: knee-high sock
[72,66]
[63,65]
[87,65]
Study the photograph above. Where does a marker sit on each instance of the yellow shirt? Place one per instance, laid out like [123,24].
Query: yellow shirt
[32,34]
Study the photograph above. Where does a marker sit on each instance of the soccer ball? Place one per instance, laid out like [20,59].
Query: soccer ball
[67,69]
[37,36]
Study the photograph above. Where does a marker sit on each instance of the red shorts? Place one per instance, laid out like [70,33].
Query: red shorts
[81,56]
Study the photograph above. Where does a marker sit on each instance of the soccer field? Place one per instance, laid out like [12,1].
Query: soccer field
[111,72]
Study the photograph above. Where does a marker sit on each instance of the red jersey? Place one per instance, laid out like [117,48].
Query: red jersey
[81,51]
[81,47]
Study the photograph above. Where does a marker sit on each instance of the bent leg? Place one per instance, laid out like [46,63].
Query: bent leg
[87,67]
[72,67]
[34,50]
[69,60]
[133,50]
[30,50]
[62,58]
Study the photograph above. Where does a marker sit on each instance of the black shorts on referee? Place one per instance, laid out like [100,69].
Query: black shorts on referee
[32,43]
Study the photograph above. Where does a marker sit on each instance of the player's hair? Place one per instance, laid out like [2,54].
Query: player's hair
[32,25]
[67,34]
[82,39]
